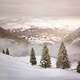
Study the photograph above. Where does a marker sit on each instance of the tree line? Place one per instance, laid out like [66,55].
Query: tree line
[62,58]
[45,62]
[6,51]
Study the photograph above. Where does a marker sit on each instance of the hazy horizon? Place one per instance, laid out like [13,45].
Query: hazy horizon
[49,13]
[67,23]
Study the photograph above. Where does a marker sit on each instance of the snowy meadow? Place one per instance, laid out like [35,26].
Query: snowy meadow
[20,68]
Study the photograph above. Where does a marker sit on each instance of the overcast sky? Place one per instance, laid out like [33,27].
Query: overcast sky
[48,13]
[40,8]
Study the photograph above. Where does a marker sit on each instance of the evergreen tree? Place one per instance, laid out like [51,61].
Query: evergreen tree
[78,67]
[62,61]
[3,52]
[45,60]
[7,51]
[32,57]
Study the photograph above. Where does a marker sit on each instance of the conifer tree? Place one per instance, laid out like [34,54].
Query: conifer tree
[33,57]
[62,61]
[45,60]
[3,52]
[78,67]
[7,51]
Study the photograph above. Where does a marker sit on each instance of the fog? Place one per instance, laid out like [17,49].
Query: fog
[40,8]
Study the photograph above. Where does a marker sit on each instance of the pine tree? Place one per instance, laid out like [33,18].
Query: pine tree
[45,60]
[78,67]
[32,57]
[62,61]
[3,52]
[7,51]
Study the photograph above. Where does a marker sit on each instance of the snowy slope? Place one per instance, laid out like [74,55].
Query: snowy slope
[18,68]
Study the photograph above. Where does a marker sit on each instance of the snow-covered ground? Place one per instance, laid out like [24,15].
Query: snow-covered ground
[19,68]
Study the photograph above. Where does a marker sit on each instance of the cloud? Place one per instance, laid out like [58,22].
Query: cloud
[40,8]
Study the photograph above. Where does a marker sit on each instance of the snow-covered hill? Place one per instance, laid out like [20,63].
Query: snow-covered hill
[36,32]
[72,36]
[18,68]
[54,34]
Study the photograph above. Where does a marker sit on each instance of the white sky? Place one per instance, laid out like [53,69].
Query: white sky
[40,8]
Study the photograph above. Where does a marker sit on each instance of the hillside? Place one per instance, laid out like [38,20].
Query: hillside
[7,34]
[73,44]
[54,34]
[73,36]
[16,45]
[18,68]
